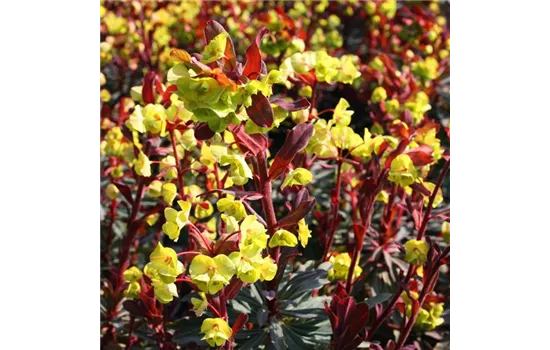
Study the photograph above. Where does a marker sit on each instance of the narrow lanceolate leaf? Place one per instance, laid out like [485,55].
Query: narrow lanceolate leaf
[276,334]
[301,196]
[134,308]
[293,106]
[421,188]
[211,30]
[297,214]
[260,111]
[253,66]
[254,144]
[296,140]
[125,190]
[149,82]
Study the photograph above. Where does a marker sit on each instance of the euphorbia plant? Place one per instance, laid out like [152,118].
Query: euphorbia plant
[212,220]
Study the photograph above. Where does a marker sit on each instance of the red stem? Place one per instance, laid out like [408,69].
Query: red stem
[427,218]
[378,322]
[130,330]
[334,213]
[109,240]
[178,168]
[267,201]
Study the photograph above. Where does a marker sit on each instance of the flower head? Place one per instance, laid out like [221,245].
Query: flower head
[304,233]
[402,170]
[416,252]
[211,274]
[176,220]
[283,238]
[298,176]
[216,331]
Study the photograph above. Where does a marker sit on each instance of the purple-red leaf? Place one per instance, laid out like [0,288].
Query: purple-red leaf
[203,131]
[254,144]
[297,214]
[260,111]
[421,155]
[227,243]
[134,308]
[421,188]
[253,66]
[296,140]
[125,190]
[148,91]
[293,106]
[301,196]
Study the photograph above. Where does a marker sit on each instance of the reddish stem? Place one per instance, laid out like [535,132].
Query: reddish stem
[178,168]
[334,214]
[109,239]
[438,184]
[267,201]
[130,331]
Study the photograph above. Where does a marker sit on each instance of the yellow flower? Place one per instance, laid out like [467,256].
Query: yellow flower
[155,189]
[232,207]
[304,233]
[112,191]
[201,212]
[283,238]
[169,192]
[365,149]
[199,305]
[344,137]
[438,197]
[340,267]
[231,224]
[164,265]
[211,274]
[298,176]
[402,171]
[169,162]
[341,115]
[379,94]
[143,165]
[215,48]
[132,274]
[416,252]
[253,234]
[152,219]
[446,231]
[165,292]
[133,277]
[240,171]
[216,331]
[176,220]
[383,197]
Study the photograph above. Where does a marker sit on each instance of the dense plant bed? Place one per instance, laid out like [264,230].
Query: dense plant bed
[275,175]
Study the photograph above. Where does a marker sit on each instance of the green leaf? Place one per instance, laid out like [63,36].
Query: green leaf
[277,335]
[145,334]
[302,283]
[379,299]
[255,341]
